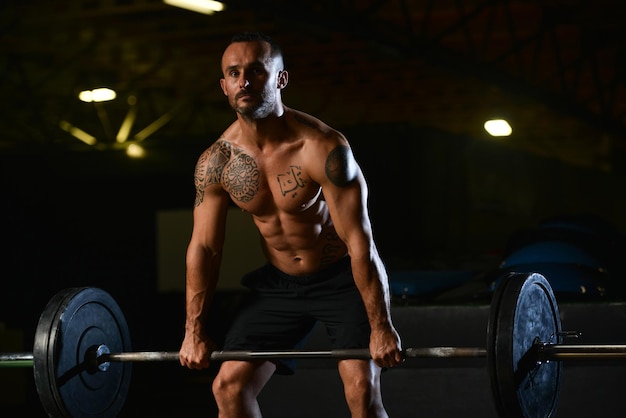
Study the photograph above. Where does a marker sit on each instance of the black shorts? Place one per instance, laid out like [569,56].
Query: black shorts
[283,310]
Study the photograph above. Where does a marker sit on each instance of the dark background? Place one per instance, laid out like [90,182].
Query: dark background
[409,83]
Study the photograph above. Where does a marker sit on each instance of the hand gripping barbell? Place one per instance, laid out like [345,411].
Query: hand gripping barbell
[82,360]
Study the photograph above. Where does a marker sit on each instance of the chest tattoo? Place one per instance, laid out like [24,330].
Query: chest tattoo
[291,181]
[241,178]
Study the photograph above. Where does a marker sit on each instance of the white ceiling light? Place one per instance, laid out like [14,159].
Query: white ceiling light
[207,7]
[498,127]
[97,95]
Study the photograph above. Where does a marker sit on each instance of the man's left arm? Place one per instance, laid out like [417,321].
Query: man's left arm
[345,192]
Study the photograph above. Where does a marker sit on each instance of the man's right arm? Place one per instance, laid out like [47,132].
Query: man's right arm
[203,259]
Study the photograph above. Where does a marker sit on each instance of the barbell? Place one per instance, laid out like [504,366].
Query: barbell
[82,354]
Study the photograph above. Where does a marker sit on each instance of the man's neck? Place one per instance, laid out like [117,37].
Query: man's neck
[263,131]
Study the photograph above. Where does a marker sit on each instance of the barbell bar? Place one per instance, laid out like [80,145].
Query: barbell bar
[82,354]
[541,351]
[423,352]
[102,355]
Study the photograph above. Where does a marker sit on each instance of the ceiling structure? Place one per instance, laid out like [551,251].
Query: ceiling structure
[554,68]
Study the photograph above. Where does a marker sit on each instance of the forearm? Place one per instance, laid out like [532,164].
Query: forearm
[201,280]
[371,279]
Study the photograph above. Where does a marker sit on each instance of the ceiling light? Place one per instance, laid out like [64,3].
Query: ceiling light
[207,7]
[135,151]
[498,127]
[103,94]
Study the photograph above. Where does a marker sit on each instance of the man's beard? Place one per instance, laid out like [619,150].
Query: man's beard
[259,110]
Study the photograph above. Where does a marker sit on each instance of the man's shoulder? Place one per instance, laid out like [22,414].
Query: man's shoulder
[221,145]
[227,140]
[313,128]
[231,133]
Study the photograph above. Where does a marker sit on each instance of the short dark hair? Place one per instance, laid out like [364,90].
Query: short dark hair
[275,49]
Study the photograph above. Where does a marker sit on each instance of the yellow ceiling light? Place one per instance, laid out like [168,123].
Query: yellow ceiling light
[102,94]
[498,127]
[135,151]
[207,7]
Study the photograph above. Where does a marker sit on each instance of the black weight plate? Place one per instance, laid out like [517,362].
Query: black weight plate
[74,321]
[523,310]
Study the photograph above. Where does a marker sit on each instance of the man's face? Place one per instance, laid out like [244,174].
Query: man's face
[251,78]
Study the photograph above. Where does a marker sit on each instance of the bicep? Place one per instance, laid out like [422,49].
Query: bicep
[204,252]
[334,167]
[340,167]
[209,219]
[348,210]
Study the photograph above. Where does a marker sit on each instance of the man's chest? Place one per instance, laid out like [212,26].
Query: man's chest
[257,184]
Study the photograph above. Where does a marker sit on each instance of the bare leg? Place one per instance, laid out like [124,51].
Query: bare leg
[237,386]
[361,383]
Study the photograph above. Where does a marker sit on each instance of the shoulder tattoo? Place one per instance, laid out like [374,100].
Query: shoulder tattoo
[210,167]
[340,166]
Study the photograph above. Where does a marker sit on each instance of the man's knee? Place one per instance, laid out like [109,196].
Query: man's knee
[361,387]
[241,380]
[225,386]
[361,382]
